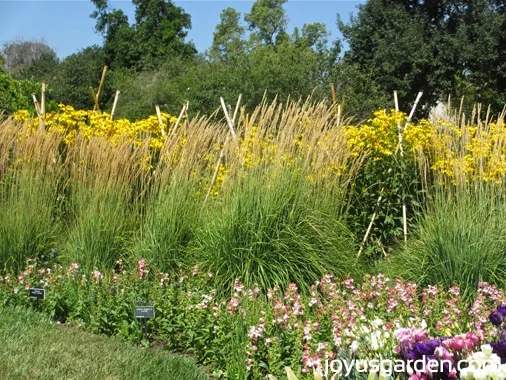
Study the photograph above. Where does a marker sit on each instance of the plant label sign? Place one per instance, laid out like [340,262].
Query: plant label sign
[144,312]
[37,294]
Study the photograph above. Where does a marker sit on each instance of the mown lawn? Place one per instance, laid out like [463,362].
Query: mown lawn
[33,347]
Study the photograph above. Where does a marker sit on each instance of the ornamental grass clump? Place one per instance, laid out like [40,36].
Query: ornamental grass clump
[459,239]
[102,205]
[268,229]
[30,180]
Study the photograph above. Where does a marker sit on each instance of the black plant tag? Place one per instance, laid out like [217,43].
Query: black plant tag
[144,312]
[37,294]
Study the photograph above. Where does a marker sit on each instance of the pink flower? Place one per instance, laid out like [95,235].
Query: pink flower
[141,269]
[73,269]
[233,305]
[238,287]
[98,276]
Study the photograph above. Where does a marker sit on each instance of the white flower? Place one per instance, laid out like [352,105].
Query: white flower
[354,346]
[466,374]
[486,349]
[481,374]
[374,342]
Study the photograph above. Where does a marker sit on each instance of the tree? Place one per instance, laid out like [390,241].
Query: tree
[267,20]
[228,43]
[156,36]
[429,46]
[15,94]
[30,60]
[76,74]
[387,44]
[161,28]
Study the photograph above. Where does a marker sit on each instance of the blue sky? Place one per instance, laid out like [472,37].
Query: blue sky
[66,26]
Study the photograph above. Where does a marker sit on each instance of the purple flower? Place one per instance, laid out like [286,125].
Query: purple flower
[499,348]
[427,348]
[496,318]
[502,335]
[423,349]
[502,310]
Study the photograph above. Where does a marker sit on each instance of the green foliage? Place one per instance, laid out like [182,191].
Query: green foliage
[161,28]
[15,94]
[268,235]
[413,46]
[32,60]
[387,44]
[157,35]
[42,69]
[76,74]
[397,182]
[171,217]
[99,231]
[28,224]
[228,43]
[358,93]
[267,20]
[459,239]
[141,91]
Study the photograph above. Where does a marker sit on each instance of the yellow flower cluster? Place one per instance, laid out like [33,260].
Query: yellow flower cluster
[456,152]
[69,122]
[463,153]
[378,135]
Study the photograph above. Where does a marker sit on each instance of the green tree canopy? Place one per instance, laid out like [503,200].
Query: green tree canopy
[15,94]
[157,35]
[76,74]
[429,46]
[267,20]
[228,40]
[33,60]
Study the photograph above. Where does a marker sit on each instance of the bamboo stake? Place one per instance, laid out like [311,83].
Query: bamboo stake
[115,103]
[413,109]
[178,120]
[95,101]
[36,104]
[104,71]
[186,122]
[229,121]
[159,114]
[364,240]
[404,208]
[334,98]
[237,107]
[160,119]
[222,154]
[42,119]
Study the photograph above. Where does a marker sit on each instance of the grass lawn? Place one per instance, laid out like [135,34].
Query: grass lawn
[33,347]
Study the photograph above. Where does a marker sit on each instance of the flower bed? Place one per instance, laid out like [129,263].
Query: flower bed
[249,333]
